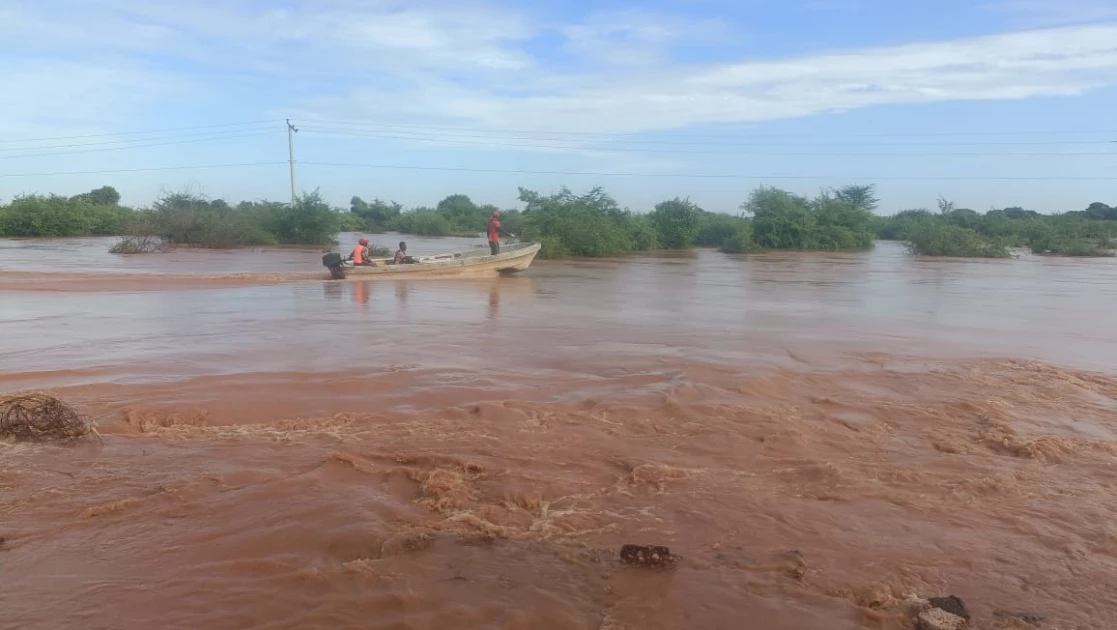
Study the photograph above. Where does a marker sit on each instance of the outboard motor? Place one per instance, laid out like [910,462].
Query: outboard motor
[332,261]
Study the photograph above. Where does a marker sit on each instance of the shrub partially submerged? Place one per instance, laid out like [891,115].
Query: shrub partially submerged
[936,238]
[92,213]
[188,220]
[138,245]
[589,225]
[1089,233]
[740,241]
[1072,247]
[39,417]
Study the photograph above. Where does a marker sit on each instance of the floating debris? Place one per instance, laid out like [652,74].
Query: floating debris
[651,556]
[39,417]
[1028,618]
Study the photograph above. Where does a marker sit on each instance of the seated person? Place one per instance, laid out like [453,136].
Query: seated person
[401,255]
[360,253]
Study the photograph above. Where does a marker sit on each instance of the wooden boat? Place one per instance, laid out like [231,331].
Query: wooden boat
[473,263]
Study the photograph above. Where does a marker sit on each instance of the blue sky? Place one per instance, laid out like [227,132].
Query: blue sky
[987,103]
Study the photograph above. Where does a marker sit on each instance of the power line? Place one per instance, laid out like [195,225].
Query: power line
[700,151]
[142,170]
[697,175]
[414,135]
[139,146]
[592,134]
[573,173]
[111,142]
[129,133]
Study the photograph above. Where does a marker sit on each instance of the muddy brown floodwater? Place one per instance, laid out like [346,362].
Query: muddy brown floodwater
[816,435]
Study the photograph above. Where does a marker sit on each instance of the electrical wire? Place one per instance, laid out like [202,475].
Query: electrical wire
[139,146]
[557,172]
[143,170]
[128,133]
[111,142]
[719,136]
[692,152]
[699,175]
[613,140]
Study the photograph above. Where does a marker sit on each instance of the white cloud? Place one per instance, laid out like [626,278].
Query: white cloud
[444,38]
[67,63]
[636,37]
[1053,62]
[470,65]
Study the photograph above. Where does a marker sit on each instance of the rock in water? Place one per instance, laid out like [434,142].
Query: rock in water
[647,556]
[939,619]
[950,604]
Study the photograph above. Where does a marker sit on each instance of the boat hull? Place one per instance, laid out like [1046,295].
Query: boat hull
[469,264]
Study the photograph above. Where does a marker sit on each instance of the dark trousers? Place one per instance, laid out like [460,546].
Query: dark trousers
[494,247]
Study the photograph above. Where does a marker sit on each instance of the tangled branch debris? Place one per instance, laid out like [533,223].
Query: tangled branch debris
[38,417]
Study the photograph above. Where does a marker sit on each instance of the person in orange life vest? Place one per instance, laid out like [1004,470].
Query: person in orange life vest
[495,232]
[360,253]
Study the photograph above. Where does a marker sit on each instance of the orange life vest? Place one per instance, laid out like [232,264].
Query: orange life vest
[360,255]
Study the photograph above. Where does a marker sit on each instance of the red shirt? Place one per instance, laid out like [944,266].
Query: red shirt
[494,230]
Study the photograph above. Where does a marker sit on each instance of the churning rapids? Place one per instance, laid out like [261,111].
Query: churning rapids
[816,435]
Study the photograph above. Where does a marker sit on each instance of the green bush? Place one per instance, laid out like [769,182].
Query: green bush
[644,233]
[715,228]
[309,221]
[423,222]
[1071,237]
[377,216]
[463,216]
[782,220]
[1073,247]
[454,215]
[54,215]
[190,220]
[941,238]
[892,228]
[103,196]
[1068,234]
[349,222]
[553,247]
[589,225]
[677,223]
[740,241]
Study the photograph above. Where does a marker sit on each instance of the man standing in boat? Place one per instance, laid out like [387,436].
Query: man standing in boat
[495,232]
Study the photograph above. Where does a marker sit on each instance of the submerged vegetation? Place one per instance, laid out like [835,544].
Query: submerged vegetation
[454,215]
[569,224]
[185,219]
[589,225]
[965,233]
[94,213]
[178,219]
[782,220]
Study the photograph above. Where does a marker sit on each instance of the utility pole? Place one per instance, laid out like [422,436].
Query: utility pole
[291,131]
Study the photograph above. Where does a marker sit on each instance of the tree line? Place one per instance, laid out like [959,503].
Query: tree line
[952,231]
[569,224]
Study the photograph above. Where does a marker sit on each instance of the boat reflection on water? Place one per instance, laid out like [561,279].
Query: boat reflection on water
[460,295]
